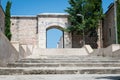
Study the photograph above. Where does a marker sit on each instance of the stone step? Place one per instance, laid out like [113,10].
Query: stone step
[68,61]
[59,70]
[64,65]
[72,57]
[62,77]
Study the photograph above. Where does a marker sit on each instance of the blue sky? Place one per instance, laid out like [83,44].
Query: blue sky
[34,7]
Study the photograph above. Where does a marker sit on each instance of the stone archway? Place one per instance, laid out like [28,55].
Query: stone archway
[46,21]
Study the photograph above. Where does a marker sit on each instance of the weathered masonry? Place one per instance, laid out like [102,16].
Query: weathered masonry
[109,27]
[32,29]
[2,19]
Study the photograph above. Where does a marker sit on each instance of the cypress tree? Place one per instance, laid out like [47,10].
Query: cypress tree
[7,20]
[118,20]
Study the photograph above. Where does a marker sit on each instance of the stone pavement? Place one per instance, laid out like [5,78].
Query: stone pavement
[62,77]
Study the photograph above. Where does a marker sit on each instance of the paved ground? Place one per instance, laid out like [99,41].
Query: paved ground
[62,77]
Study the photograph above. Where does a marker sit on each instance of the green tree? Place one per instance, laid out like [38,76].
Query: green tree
[92,12]
[76,7]
[118,19]
[90,9]
[7,20]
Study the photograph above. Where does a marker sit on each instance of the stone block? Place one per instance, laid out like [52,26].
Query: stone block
[88,48]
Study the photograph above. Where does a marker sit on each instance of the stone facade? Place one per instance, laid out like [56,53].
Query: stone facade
[2,19]
[108,27]
[32,29]
[24,29]
[47,21]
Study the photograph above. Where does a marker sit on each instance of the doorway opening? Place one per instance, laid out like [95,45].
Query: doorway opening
[54,38]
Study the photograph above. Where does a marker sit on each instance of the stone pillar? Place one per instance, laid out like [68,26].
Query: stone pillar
[42,35]
[67,40]
[100,42]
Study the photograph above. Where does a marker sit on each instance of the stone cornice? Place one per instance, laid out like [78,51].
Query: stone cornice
[40,15]
[23,17]
[53,15]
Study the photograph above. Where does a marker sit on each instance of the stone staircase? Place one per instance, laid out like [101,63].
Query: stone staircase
[62,64]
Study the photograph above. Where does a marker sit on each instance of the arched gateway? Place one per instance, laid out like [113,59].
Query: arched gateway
[32,29]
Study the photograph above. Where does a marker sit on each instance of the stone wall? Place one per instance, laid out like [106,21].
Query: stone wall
[31,30]
[110,51]
[8,53]
[116,53]
[108,27]
[19,49]
[77,41]
[24,29]
[2,19]
[12,51]
[24,50]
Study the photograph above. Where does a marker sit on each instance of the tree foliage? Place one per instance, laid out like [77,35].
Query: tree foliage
[90,9]
[92,12]
[76,7]
[7,20]
[118,19]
